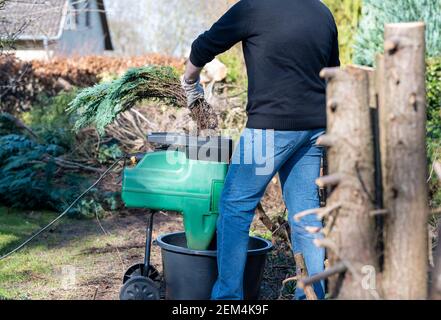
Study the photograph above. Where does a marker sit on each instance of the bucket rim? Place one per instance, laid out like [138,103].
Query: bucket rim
[213,253]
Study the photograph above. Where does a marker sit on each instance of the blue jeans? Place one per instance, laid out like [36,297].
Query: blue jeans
[259,155]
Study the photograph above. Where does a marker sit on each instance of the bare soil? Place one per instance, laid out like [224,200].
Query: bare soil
[103,281]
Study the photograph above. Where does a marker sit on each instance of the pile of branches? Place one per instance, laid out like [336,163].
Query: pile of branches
[22,82]
[24,172]
[101,104]
[38,174]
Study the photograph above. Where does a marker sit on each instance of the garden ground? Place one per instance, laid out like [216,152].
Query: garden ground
[85,259]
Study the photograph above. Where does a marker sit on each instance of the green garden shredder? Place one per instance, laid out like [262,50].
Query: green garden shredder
[184,174]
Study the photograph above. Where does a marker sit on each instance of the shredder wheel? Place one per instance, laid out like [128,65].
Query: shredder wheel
[139,288]
[137,269]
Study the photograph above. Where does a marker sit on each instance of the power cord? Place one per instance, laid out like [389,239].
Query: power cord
[105,173]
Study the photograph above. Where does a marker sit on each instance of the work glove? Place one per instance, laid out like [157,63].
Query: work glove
[193,91]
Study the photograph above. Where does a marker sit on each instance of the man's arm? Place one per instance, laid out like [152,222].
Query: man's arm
[192,72]
[230,29]
[191,85]
[334,60]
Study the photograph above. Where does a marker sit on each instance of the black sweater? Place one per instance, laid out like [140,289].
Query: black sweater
[286,44]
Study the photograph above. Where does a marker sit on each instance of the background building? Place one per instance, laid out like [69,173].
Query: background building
[56,28]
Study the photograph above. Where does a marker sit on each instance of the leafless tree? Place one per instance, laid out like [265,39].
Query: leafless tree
[8,32]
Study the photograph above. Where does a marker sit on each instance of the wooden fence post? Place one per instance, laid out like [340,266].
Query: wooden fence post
[350,227]
[404,163]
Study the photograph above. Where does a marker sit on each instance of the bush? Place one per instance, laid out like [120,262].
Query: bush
[236,73]
[30,178]
[369,42]
[375,13]
[30,172]
[347,15]
[434,123]
[26,180]
[22,83]
[50,121]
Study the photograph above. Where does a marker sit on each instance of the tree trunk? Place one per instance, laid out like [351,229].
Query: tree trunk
[350,228]
[404,166]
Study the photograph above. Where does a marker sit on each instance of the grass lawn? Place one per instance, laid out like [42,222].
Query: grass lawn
[15,226]
[97,252]
[37,269]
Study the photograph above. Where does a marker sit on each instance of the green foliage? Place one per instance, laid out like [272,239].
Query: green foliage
[101,104]
[376,13]
[347,14]
[30,176]
[369,42]
[265,235]
[24,178]
[109,152]
[29,179]
[8,124]
[236,72]
[434,101]
[50,121]
[97,204]
[434,122]
[88,208]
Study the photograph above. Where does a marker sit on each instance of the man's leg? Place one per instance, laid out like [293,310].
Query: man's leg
[300,193]
[245,185]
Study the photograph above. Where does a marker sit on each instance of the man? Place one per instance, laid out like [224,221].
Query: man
[286,43]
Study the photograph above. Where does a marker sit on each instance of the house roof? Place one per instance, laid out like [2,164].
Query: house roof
[42,19]
[105,25]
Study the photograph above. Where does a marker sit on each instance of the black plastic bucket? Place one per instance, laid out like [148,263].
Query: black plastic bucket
[191,274]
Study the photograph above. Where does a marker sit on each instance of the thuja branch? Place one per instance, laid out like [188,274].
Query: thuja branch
[100,105]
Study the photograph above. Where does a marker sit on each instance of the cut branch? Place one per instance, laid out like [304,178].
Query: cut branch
[328,244]
[320,212]
[313,230]
[326,141]
[305,213]
[331,271]
[328,210]
[379,212]
[329,181]
[329,73]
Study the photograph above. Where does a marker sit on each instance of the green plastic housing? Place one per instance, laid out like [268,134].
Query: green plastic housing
[168,180]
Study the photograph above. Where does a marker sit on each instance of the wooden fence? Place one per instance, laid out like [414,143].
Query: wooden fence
[376,218]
